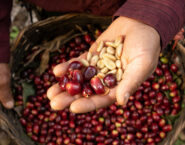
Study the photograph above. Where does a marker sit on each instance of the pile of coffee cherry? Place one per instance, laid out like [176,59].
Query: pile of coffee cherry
[143,121]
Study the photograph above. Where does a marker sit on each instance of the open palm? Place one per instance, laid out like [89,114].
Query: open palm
[139,58]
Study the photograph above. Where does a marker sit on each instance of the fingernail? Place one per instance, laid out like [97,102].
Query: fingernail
[52,104]
[126,97]
[9,104]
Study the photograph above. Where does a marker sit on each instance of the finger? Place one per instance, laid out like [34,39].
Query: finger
[60,69]
[53,91]
[7,99]
[62,101]
[136,72]
[83,105]
[104,101]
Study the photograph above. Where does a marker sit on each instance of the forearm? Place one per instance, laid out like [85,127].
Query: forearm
[166,16]
[5,8]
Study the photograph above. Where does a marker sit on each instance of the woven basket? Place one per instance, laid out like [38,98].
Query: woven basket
[42,34]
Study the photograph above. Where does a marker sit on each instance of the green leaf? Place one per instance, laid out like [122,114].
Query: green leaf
[182,106]
[174,76]
[172,118]
[28,90]
[167,94]
[178,81]
[179,142]
[14,32]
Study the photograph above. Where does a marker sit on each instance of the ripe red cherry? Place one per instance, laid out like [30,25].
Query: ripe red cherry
[74,53]
[73,88]
[159,97]
[138,95]
[37,80]
[155,127]
[110,80]
[164,67]
[158,71]
[173,68]
[83,46]
[138,105]
[97,85]
[78,40]
[176,99]
[75,65]
[146,84]
[87,38]
[126,114]
[173,86]
[139,135]
[155,86]
[72,44]
[162,134]
[62,82]
[155,116]
[164,87]
[162,123]
[167,128]
[89,72]
[87,90]
[77,76]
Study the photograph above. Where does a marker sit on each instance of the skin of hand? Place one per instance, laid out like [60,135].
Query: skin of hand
[139,59]
[5,90]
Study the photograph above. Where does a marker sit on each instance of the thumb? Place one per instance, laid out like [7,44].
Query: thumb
[61,68]
[135,73]
[6,97]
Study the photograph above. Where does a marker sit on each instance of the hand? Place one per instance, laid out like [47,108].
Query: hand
[139,58]
[5,91]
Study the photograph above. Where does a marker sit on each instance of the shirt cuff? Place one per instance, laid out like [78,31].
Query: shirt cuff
[5,9]
[5,52]
[166,16]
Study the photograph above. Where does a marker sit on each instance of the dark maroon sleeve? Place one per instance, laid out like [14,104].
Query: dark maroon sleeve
[5,8]
[166,16]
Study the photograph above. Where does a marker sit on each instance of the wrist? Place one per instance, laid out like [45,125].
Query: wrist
[129,24]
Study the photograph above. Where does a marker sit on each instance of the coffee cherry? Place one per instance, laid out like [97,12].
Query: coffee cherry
[158,71]
[89,72]
[87,90]
[154,127]
[176,99]
[155,86]
[73,88]
[75,65]
[110,80]
[173,68]
[97,85]
[87,38]
[77,76]
[78,40]
[138,105]
[62,82]
[162,134]
[167,128]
